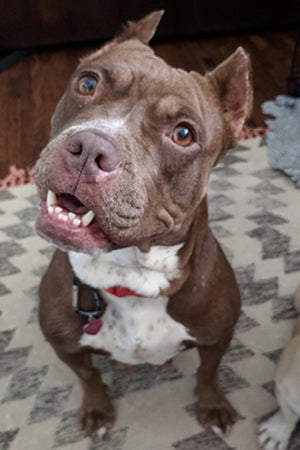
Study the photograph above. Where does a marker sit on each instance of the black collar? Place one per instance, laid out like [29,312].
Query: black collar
[97,298]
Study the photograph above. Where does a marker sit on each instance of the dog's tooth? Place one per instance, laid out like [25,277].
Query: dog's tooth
[58,209]
[71,215]
[50,209]
[51,198]
[87,218]
[76,222]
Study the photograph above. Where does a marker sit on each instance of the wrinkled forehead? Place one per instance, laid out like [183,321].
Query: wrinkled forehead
[132,69]
[131,51]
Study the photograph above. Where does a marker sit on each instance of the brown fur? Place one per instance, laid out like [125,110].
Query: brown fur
[158,198]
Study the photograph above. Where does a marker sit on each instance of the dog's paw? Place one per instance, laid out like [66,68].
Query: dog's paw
[218,415]
[96,422]
[274,433]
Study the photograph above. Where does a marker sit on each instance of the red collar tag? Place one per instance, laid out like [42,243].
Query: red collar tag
[120,291]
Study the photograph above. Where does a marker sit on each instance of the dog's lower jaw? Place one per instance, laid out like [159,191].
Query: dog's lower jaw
[88,239]
[58,229]
[65,247]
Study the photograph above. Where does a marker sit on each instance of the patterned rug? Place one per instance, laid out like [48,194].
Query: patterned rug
[254,212]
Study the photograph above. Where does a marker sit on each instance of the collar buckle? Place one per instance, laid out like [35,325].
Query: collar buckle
[98,301]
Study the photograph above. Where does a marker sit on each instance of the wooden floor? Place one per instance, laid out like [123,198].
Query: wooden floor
[30,89]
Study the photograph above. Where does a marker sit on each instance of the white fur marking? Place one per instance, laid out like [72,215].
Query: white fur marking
[101,432]
[108,126]
[217,430]
[146,273]
[135,329]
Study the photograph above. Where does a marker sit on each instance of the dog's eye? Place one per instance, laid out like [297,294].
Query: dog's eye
[182,135]
[87,85]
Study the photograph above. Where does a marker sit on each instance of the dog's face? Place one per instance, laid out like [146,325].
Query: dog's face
[132,145]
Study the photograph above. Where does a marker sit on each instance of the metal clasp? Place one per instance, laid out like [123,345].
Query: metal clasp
[98,301]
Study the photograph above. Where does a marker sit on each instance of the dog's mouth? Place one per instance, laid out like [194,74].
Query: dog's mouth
[70,225]
[68,209]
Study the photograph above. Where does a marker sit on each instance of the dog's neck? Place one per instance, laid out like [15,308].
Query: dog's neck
[145,273]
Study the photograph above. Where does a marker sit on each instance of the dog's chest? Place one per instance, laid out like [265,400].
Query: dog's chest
[135,329]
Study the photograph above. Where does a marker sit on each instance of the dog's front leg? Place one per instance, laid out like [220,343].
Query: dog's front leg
[214,409]
[96,414]
[62,327]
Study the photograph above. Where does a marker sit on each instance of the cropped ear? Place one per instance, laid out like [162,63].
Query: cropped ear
[143,30]
[233,81]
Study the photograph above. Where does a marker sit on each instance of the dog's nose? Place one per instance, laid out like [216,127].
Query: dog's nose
[89,153]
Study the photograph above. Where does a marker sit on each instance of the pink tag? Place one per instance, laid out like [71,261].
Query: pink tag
[93,327]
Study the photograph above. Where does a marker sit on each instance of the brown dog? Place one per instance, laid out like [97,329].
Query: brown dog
[123,185]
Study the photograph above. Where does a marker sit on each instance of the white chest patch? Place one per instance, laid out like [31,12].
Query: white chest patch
[138,330]
[135,329]
[145,273]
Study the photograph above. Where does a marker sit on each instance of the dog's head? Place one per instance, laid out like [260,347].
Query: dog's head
[133,142]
